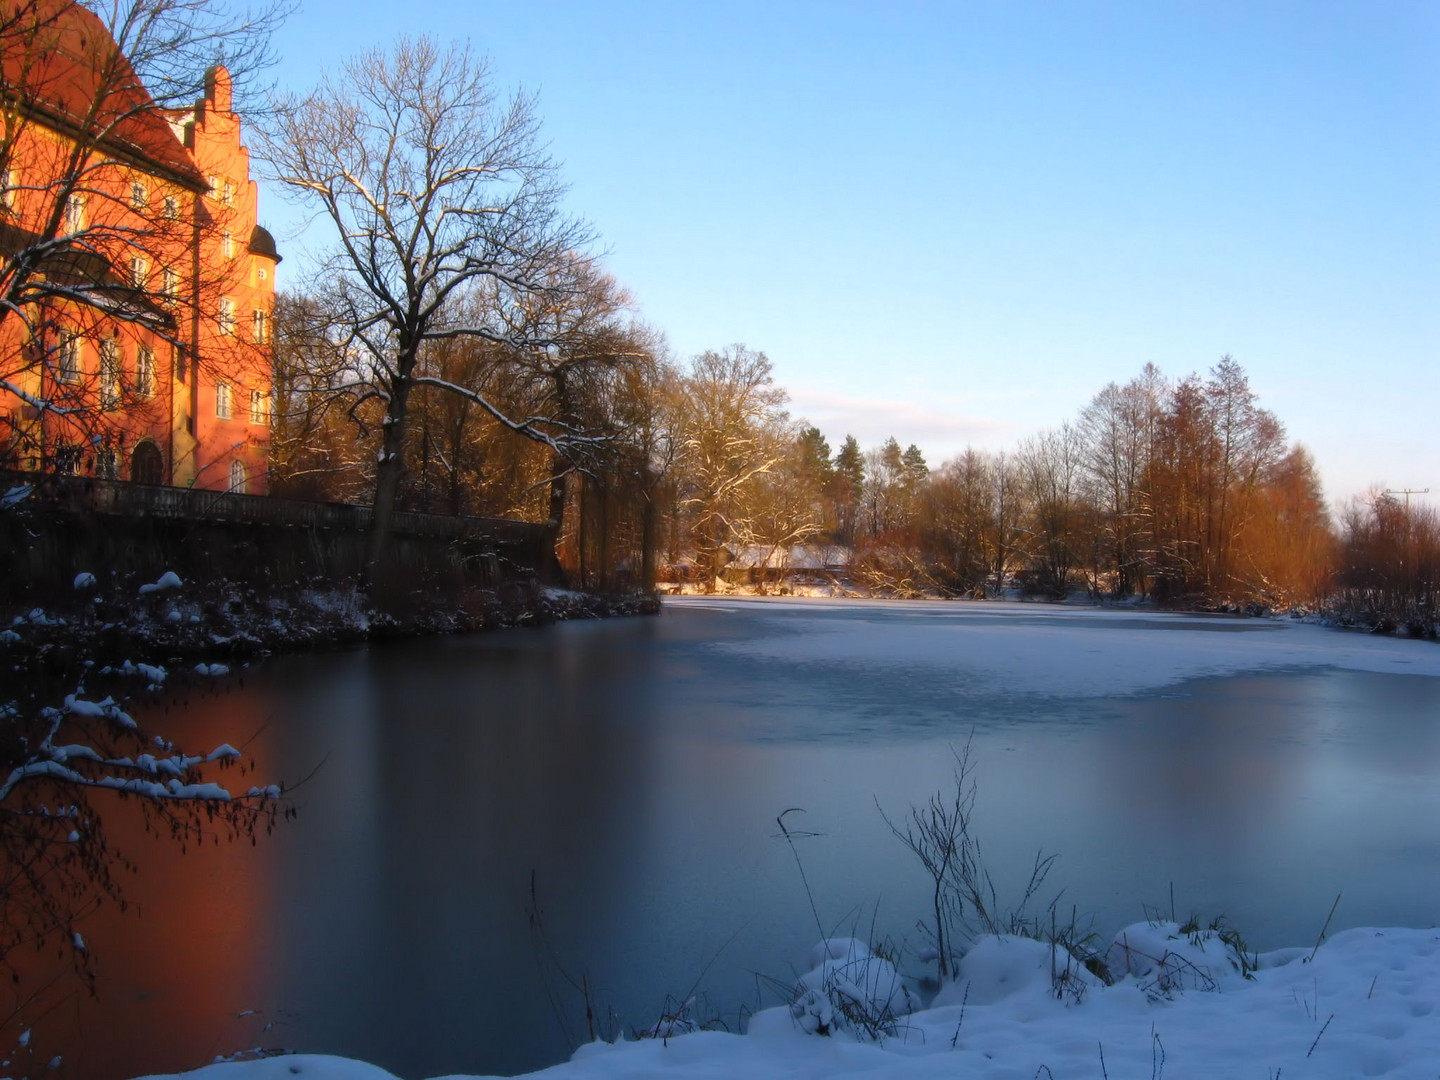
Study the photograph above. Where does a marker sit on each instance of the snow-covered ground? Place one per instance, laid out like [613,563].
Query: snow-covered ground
[1183,1005]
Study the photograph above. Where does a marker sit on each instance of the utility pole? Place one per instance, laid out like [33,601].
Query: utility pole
[1407,492]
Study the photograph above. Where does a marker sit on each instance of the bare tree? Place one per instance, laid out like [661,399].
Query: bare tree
[1050,465]
[957,521]
[435,186]
[1010,507]
[1118,428]
[729,401]
[313,451]
[1390,566]
[576,324]
[786,500]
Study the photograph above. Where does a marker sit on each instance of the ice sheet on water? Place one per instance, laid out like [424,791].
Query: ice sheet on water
[1060,651]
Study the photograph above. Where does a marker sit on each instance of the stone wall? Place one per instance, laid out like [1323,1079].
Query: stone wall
[62,526]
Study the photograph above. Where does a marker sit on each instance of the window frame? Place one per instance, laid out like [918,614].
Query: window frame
[69,367]
[111,384]
[75,218]
[224,406]
[144,372]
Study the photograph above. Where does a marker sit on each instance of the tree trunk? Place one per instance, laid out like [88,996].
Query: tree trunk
[604,553]
[649,527]
[388,471]
[425,462]
[556,516]
[580,528]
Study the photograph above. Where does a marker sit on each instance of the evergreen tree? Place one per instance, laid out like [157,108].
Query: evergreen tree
[848,483]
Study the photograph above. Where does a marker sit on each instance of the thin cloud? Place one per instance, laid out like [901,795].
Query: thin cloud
[937,430]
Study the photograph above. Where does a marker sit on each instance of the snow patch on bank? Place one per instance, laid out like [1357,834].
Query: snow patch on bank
[1367,1005]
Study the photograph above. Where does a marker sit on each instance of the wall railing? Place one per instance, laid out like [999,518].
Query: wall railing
[122,497]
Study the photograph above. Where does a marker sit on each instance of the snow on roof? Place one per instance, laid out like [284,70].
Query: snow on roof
[60,60]
[793,557]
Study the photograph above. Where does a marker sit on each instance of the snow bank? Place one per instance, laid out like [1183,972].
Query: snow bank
[1367,1005]
[167,581]
[850,989]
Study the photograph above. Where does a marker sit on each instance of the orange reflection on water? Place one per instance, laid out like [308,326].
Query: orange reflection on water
[182,953]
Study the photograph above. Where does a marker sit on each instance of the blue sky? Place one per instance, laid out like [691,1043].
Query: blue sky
[955,222]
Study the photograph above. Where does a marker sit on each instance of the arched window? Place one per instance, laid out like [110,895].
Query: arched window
[237,476]
[147,466]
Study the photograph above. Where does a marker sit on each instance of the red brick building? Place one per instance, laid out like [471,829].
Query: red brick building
[137,283]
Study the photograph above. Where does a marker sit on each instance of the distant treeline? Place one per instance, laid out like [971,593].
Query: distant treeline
[1184,491]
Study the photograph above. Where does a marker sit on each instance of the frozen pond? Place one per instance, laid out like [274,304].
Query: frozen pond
[631,772]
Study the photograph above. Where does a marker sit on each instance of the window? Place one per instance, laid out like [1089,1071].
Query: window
[222,400]
[169,284]
[139,271]
[261,325]
[139,195]
[257,406]
[172,208]
[227,315]
[67,460]
[260,273]
[7,189]
[75,213]
[109,373]
[70,358]
[107,463]
[227,194]
[145,372]
[227,245]
[237,477]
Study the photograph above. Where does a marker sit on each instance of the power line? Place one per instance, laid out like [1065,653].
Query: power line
[1407,492]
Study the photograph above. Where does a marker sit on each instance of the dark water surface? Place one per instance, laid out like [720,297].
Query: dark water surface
[632,770]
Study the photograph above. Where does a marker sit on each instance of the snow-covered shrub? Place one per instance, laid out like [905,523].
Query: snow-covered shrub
[850,988]
[167,581]
[1165,958]
[1000,966]
[676,1019]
